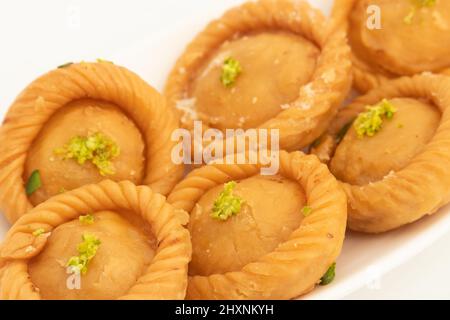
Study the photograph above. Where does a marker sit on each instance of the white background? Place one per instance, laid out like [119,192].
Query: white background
[36,36]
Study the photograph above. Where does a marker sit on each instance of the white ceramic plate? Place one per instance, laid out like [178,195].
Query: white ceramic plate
[365,258]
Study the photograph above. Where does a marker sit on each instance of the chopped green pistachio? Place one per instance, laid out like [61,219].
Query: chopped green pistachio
[38,232]
[87,250]
[231,69]
[417,4]
[408,19]
[65,65]
[306,211]
[341,134]
[328,277]
[62,190]
[34,183]
[227,204]
[104,61]
[424,3]
[370,122]
[87,219]
[97,148]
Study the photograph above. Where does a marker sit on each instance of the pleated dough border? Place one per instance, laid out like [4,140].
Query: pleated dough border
[296,265]
[100,81]
[365,76]
[165,278]
[318,100]
[420,188]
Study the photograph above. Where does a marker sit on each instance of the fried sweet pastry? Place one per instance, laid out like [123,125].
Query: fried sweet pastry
[266,64]
[80,124]
[130,246]
[393,166]
[413,37]
[261,237]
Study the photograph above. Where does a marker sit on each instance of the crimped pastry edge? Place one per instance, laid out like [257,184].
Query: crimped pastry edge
[52,91]
[164,278]
[365,77]
[298,127]
[419,189]
[295,267]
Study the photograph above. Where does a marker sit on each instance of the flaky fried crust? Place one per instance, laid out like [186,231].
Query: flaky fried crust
[164,278]
[420,188]
[297,264]
[101,81]
[317,103]
[365,75]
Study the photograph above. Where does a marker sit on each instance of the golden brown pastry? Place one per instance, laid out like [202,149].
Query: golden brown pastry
[105,241]
[80,124]
[265,64]
[390,150]
[261,237]
[395,38]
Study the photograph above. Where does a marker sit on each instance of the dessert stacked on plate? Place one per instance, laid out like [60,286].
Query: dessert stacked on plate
[101,209]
